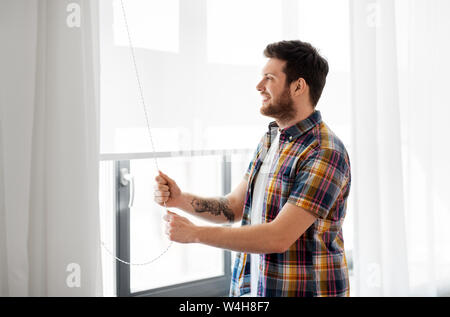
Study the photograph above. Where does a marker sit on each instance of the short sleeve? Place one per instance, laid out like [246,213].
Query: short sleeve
[319,182]
[247,173]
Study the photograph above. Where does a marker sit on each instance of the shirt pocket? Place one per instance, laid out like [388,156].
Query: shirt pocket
[286,181]
[277,192]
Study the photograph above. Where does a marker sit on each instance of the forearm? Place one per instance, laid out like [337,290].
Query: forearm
[216,209]
[261,238]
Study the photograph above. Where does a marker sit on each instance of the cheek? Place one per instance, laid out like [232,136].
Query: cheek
[273,93]
[270,90]
[275,90]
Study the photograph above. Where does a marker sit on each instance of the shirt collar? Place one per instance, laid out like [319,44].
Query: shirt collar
[297,129]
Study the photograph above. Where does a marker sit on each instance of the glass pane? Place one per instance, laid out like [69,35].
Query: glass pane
[182,262]
[326,25]
[191,105]
[153,24]
[255,23]
[239,166]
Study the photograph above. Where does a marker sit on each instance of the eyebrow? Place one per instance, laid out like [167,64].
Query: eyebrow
[270,74]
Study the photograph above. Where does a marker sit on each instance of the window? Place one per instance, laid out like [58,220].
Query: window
[198,72]
[159,19]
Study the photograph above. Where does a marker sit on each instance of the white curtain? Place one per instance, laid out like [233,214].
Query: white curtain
[3,262]
[400,163]
[49,148]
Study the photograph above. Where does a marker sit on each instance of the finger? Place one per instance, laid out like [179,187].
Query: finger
[159,186]
[159,193]
[159,179]
[160,200]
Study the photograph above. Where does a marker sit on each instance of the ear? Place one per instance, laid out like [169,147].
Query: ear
[298,87]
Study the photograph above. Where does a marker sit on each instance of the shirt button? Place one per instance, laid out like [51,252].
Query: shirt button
[290,138]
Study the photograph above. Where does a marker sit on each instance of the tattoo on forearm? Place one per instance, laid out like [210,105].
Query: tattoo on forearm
[213,206]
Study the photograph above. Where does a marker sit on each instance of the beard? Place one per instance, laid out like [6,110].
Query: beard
[281,108]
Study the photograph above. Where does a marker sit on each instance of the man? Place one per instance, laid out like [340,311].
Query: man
[292,200]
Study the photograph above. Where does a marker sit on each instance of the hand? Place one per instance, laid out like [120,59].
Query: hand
[166,190]
[180,229]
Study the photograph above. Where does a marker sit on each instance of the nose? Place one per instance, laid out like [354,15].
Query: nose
[260,86]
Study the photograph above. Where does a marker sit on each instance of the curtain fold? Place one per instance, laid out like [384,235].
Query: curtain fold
[427,109]
[400,104]
[3,262]
[380,254]
[54,202]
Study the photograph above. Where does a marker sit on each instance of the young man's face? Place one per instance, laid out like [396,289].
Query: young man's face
[277,101]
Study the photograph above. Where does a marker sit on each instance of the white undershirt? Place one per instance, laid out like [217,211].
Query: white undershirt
[261,182]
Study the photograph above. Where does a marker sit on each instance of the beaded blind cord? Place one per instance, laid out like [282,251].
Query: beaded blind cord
[133,57]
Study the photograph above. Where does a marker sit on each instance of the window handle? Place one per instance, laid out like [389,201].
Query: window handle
[127,179]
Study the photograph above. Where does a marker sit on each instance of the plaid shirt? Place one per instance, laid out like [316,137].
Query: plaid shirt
[311,169]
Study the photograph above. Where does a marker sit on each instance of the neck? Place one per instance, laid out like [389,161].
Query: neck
[301,114]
